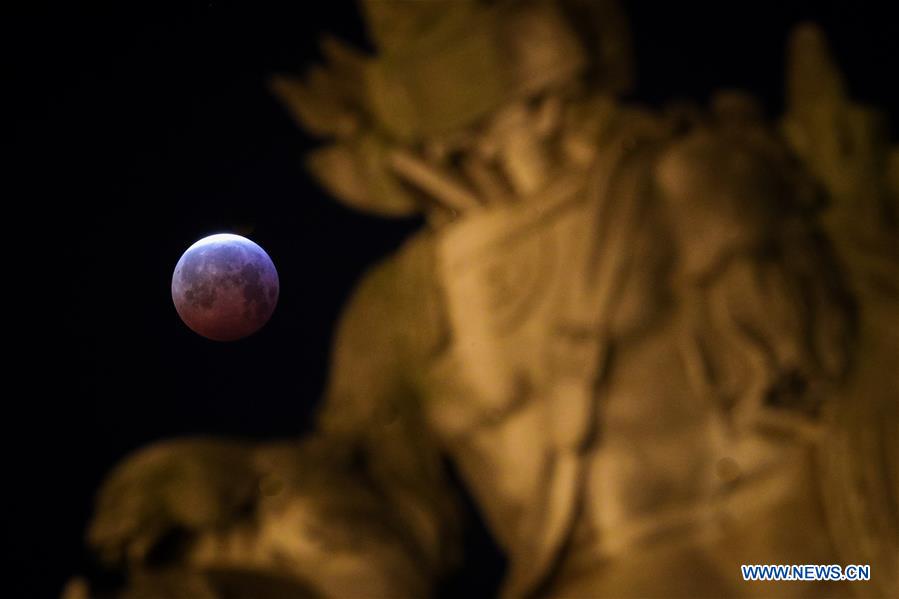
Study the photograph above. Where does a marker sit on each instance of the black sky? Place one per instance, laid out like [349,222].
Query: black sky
[155,128]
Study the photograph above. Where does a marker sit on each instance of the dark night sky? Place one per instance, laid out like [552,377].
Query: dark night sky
[156,128]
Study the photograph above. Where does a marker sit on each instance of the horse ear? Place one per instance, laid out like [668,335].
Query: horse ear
[816,101]
[812,76]
[842,143]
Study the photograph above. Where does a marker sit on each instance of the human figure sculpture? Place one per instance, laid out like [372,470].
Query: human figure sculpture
[653,345]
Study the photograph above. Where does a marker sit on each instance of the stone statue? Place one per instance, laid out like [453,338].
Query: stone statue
[654,345]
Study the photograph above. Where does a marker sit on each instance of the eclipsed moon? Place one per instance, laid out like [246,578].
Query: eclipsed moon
[225,287]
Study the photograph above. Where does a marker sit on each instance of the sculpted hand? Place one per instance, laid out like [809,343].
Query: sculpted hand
[188,485]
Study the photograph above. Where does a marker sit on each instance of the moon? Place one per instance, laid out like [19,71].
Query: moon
[225,287]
